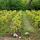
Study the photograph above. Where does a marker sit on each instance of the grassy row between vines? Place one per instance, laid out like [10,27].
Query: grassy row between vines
[13,21]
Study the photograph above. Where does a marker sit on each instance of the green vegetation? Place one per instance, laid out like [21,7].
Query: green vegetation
[20,4]
[36,4]
[22,21]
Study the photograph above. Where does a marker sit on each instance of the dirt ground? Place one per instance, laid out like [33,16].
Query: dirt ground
[32,37]
[7,38]
[10,38]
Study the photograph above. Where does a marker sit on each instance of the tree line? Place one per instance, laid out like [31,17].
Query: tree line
[20,4]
